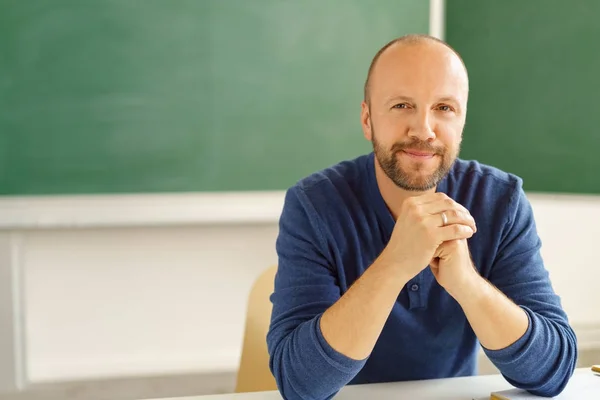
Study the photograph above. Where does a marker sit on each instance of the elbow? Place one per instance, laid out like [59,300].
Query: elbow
[291,375]
[550,389]
[279,345]
[281,376]
[564,368]
[284,377]
[287,390]
[285,387]
[303,368]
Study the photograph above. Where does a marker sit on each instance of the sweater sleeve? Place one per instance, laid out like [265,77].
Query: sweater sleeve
[304,365]
[543,359]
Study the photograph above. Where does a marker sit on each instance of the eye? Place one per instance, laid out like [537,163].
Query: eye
[401,106]
[445,108]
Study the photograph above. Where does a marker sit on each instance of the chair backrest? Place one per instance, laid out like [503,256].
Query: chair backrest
[254,374]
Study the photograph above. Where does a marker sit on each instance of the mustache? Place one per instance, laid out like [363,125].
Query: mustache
[418,145]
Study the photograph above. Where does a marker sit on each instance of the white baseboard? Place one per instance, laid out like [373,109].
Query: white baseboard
[173,386]
[120,366]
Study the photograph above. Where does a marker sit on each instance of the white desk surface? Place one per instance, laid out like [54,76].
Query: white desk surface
[465,388]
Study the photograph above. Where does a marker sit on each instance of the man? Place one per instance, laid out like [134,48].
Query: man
[396,265]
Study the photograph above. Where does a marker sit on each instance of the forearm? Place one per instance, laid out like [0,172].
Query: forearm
[495,319]
[353,324]
[318,357]
[543,356]
[533,352]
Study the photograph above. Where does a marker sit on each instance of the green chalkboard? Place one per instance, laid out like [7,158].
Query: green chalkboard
[535,77]
[132,96]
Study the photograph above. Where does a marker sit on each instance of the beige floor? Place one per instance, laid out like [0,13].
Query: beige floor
[173,386]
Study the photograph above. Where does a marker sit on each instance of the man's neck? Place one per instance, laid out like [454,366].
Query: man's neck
[393,196]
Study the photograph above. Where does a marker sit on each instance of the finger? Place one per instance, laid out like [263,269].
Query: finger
[442,204]
[458,217]
[454,232]
[430,198]
[452,217]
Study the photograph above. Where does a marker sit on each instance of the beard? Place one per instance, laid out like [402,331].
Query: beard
[412,178]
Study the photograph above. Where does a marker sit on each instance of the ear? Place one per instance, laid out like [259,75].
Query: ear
[365,121]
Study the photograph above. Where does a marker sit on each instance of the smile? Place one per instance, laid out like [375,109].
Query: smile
[418,155]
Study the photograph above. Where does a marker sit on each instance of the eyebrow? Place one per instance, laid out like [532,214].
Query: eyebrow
[449,99]
[407,98]
[396,98]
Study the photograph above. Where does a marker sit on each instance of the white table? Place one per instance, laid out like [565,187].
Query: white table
[467,388]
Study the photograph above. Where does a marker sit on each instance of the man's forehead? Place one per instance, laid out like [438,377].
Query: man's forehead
[428,63]
[422,50]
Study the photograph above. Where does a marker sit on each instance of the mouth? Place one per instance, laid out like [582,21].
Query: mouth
[418,155]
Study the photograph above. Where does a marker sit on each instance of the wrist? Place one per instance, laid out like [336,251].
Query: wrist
[468,288]
[396,271]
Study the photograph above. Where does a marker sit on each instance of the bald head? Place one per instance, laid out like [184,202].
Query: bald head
[408,46]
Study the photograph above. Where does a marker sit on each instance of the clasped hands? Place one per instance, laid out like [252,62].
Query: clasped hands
[432,230]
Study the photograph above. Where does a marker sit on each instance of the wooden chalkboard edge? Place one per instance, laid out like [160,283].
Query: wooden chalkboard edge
[96,211]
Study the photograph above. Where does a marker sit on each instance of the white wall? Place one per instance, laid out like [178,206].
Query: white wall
[121,301]
[108,301]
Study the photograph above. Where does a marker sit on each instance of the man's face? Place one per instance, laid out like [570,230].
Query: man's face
[416,113]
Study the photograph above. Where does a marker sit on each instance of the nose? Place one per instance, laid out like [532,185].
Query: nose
[421,127]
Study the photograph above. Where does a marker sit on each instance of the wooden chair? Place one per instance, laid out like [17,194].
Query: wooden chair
[254,374]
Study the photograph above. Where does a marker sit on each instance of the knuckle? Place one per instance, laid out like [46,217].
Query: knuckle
[415,208]
[455,244]
[410,203]
[449,202]
[456,229]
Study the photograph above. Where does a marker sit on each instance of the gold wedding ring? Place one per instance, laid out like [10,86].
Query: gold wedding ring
[444,219]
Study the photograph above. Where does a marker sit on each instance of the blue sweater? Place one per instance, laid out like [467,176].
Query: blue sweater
[335,223]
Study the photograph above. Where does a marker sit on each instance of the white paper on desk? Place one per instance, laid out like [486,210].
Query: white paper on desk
[580,387]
